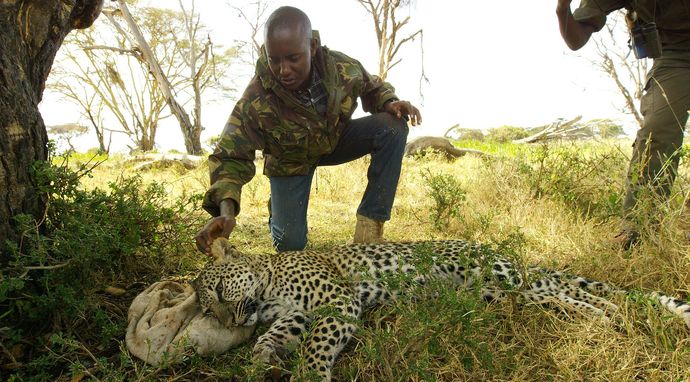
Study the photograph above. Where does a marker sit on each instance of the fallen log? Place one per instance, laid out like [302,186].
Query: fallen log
[441,145]
[557,130]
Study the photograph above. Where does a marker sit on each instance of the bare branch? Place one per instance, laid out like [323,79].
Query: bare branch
[133,52]
[627,73]
[388,29]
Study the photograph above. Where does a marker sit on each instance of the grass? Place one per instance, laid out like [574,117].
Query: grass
[553,205]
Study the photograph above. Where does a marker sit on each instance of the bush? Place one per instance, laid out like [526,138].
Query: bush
[86,241]
[506,134]
[448,196]
[590,183]
[469,134]
[606,128]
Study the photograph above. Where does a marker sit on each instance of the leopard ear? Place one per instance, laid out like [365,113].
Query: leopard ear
[223,251]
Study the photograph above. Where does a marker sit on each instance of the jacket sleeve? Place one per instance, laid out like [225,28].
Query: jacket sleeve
[231,165]
[375,92]
[594,12]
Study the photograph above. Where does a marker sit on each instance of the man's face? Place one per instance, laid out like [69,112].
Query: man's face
[289,57]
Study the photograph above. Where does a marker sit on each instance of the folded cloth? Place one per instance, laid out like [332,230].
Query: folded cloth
[165,323]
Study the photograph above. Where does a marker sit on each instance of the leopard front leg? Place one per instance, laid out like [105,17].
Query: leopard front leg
[285,332]
[329,336]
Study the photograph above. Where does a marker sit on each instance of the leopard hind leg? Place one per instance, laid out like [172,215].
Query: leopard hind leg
[676,306]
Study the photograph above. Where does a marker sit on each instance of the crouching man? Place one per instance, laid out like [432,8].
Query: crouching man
[297,109]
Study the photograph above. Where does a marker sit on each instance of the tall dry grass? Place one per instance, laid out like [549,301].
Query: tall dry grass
[551,205]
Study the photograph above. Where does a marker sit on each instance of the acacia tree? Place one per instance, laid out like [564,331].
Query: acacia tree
[67,132]
[388,31]
[97,68]
[255,21]
[616,60]
[138,67]
[205,70]
[194,53]
[81,93]
[31,32]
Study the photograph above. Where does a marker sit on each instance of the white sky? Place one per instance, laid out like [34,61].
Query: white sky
[490,63]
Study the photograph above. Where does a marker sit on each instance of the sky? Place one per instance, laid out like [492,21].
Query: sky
[489,64]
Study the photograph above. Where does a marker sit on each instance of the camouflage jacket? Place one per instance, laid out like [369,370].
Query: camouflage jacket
[292,136]
[672,17]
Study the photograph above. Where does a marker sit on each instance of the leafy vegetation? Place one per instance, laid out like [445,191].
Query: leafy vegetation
[554,205]
[88,241]
[505,134]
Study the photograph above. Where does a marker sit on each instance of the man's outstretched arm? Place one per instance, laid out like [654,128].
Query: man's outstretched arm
[575,34]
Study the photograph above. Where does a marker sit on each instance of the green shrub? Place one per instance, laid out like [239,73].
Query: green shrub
[86,241]
[606,128]
[589,182]
[448,196]
[506,134]
[469,134]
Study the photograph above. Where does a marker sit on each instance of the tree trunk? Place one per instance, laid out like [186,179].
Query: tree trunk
[31,32]
[175,108]
[192,137]
[192,140]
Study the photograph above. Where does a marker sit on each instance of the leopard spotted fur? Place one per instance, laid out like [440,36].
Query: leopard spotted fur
[287,290]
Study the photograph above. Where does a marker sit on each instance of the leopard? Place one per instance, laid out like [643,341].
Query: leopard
[314,299]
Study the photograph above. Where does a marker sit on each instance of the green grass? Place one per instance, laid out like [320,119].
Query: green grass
[554,205]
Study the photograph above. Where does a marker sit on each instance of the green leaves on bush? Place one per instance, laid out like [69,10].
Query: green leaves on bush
[589,182]
[85,241]
[448,196]
[505,134]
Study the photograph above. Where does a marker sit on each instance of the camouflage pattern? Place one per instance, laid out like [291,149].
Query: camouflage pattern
[292,136]
[672,17]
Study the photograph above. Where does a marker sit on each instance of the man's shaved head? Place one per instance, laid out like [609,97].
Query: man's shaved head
[288,19]
[290,46]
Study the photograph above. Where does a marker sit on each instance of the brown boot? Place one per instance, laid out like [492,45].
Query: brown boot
[368,230]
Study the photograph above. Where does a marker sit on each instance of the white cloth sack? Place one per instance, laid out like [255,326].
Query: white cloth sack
[165,323]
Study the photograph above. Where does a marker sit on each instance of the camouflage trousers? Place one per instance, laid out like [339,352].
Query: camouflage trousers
[656,151]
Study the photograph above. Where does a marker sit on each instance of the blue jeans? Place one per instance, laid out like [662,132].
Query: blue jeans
[381,135]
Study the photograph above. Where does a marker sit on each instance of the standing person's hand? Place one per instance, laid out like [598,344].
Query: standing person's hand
[219,226]
[402,109]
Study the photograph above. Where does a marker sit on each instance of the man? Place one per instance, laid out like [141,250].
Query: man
[660,29]
[297,109]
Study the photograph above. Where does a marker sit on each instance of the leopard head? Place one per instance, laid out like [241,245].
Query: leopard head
[228,291]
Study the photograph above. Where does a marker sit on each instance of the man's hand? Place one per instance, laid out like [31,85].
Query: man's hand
[402,109]
[220,226]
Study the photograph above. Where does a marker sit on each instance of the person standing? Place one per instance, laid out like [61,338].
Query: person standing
[659,29]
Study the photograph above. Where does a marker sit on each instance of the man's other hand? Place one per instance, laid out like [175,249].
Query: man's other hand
[402,109]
